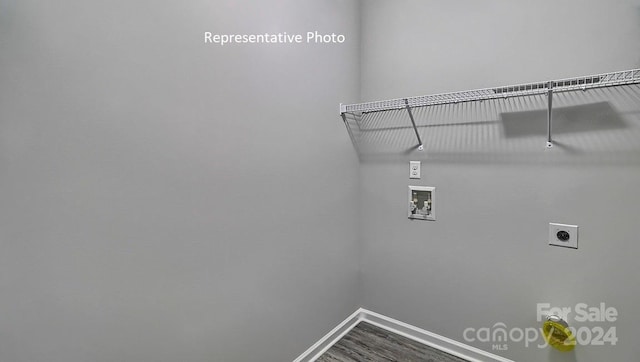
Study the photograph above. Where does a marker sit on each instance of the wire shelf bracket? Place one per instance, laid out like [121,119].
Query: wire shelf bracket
[413,122]
[549,114]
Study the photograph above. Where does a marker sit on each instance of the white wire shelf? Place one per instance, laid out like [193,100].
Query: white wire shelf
[561,85]
[584,83]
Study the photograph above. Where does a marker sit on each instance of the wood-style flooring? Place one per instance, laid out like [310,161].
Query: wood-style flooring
[366,342]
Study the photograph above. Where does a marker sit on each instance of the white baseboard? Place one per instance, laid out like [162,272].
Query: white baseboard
[330,338]
[445,344]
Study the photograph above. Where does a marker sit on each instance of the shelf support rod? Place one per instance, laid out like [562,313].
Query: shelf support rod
[346,124]
[413,122]
[549,113]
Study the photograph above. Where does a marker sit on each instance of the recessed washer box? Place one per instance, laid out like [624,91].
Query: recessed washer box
[563,235]
[422,203]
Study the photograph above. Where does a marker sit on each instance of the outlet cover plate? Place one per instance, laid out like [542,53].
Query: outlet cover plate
[563,235]
[414,169]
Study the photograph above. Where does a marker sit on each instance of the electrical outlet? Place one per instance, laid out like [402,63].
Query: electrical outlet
[563,235]
[414,169]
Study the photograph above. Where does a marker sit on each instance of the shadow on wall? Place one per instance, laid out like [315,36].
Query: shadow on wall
[594,126]
[591,117]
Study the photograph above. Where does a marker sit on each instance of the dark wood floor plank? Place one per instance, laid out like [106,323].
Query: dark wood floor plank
[368,343]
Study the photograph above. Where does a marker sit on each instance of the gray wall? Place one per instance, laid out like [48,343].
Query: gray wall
[485,259]
[166,200]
